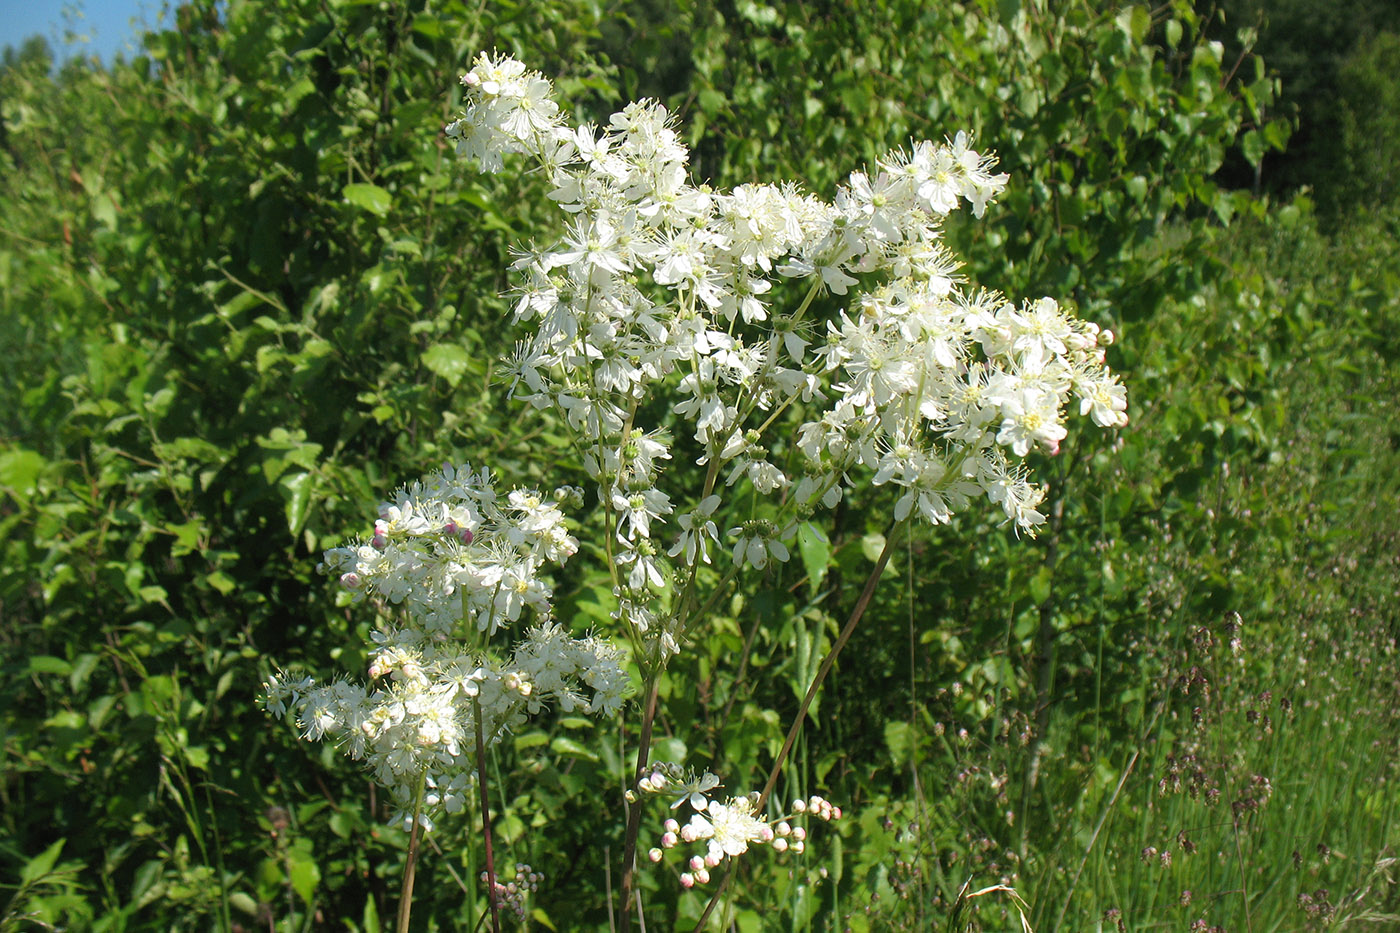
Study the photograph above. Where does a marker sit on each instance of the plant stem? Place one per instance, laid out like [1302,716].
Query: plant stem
[634,810]
[856,614]
[486,819]
[859,611]
[411,863]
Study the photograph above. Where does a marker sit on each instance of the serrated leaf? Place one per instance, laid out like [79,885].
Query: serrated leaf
[369,197]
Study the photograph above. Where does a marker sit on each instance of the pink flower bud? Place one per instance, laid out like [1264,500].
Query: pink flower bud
[450,528]
[687,880]
[466,535]
[351,580]
[702,876]
[780,844]
[672,826]
[379,542]
[696,863]
[669,840]
[654,854]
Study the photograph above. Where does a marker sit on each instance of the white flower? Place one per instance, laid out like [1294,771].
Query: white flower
[697,529]
[730,827]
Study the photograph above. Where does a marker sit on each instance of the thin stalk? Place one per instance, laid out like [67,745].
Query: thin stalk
[415,836]
[634,810]
[486,819]
[856,614]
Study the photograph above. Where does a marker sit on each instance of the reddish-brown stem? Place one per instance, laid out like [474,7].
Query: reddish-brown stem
[486,821]
[634,810]
[415,836]
[861,604]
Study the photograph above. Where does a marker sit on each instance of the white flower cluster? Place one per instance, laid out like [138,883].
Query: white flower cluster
[727,828]
[459,564]
[446,550]
[658,289]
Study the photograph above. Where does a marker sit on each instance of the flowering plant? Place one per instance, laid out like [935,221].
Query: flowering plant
[668,319]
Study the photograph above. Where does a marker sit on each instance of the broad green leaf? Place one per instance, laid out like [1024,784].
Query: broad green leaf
[47,664]
[563,745]
[448,360]
[19,473]
[304,874]
[369,197]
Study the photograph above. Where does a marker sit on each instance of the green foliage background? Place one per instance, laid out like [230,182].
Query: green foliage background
[246,292]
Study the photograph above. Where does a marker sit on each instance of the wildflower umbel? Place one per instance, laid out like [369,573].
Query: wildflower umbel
[450,564]
[657,288]
[726,828]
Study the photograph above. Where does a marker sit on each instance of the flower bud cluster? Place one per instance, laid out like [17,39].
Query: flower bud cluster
[658,289]
[458,563]
[726,828]
[511,895]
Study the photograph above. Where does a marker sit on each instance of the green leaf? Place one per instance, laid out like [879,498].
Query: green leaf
[46,664]
[305,874]
[369,197]
[244,903]
[1253,147]
[41,864]
[448,360]
[563,745]
[815,549]
[19,473]
[296,490]
[900,739]
[1172,32]
[872,545]
[1040,586]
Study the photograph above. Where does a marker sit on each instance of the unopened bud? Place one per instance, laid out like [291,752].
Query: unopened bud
[654,854]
